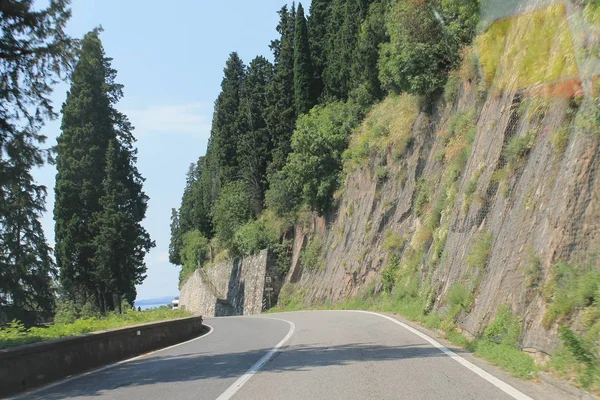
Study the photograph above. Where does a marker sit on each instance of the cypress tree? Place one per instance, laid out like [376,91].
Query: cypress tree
[87,128]
[96,187]
[176,239]
[281,111]
[121,242]
[254,146]
[365,74]
[304,92]
[320,11]
[342,36]
[34,51]
[226,121]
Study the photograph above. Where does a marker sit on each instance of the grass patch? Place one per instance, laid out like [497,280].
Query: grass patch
[388,126]
[311,256]
[393,242]
[458,141]
[501,178]
[519,48]
[421,237]
[382,174]
[459,296]
[518,148]
[533,270]
[570,288]
[509,358]
[15,334]
[424,191]
[451,88]
[560,140]
[481,249]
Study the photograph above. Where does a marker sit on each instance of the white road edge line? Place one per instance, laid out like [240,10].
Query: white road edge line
[73,377]
[505,387]
[237,385]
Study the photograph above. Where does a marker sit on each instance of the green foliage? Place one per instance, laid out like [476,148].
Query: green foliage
[387,126]
[314,166]
[304,87]
[253,237]
[100,203]
[480,250]
[388,274]
[280,113]
[311,256]
[560,139]
[15,334]
[366,87]
[344,20]
[451,89]
[570,287]
[533,270]
[424,193]
[291,298]
[509,358]
[518,148]
[36,53]
[461,18]
[578,358]
[501,177]
[459,297]
[577,347]
[458,140]
[393,242]
[254,145]
[285,194]
[506,328]
[419,54]
[382,174]
[194,253]
[232,210]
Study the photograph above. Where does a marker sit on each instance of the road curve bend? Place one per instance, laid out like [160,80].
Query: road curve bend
[302,355]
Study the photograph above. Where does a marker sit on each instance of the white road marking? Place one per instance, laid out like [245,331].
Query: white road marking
[71,378]
[505,387]
[237,385]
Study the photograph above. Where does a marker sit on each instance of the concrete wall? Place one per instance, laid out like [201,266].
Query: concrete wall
[33,365]
[234,287]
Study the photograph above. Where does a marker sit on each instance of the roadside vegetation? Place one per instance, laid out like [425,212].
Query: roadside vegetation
[16,334]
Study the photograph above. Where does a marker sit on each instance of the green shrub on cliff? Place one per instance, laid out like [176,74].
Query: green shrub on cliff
[481,249]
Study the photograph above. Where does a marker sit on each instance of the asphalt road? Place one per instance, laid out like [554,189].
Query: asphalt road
[323,355]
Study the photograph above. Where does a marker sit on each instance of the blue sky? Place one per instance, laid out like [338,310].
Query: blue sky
[170,57]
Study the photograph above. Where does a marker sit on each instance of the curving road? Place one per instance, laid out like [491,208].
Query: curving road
[323,355]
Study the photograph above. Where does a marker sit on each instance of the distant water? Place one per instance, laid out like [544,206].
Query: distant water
[153,303]
[149,306]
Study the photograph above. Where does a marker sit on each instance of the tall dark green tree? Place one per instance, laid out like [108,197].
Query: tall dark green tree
[343,30]
[421,50]
[89,191]
[226,127]
[176,242]
[87,128]
[254,146]
[320,11]
[304,87]
[192,214]
[34,53]
[366,87]
[281,110]
[121,242]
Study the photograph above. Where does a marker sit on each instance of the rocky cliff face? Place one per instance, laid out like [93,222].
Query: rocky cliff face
[494,187]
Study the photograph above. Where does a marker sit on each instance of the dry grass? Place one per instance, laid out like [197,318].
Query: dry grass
[531,49]
[388,126]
